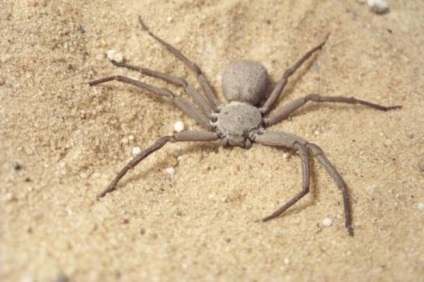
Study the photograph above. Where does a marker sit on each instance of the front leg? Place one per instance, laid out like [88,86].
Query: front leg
[304,156]
[288,141]
[179,137]
[283,139]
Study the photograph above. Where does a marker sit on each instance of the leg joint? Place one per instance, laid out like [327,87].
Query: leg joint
[315,149]
[313,97]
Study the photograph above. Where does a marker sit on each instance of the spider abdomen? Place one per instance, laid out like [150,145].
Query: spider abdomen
[245,81]
[235,121]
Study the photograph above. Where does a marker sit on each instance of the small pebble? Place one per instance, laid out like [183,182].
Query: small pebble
[378,6]
[420,206]
[136,151]
[169,170]
[327,222]
[178,126]
[114,55]
[9,197]
[17,166]
[388,142]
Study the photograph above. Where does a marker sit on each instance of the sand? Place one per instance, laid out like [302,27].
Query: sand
[62,142]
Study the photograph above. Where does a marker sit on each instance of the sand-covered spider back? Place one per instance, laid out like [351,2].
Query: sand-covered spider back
[245,81]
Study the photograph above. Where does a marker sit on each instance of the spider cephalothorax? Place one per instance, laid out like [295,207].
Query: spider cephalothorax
[244,120]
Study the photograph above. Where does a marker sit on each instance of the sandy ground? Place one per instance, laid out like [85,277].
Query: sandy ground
[62,142]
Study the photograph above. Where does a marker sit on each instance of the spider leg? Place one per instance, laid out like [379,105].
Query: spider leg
[191,65]
[291,107]
[284,139]
[304,156]
[279,87]
[289,141]
[179,137]
[178,81]
[181,103]
[322,159]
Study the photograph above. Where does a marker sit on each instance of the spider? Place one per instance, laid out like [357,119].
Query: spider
[244,119]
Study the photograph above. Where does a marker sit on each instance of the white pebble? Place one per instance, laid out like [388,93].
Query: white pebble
[131,137]
[169,170]
[388,142]
[169,19]
[178,126]
[114,55]
[327,222]
[378,6]
[136,151]
[420,206]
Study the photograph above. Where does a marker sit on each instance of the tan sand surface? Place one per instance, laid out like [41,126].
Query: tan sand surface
[62,142]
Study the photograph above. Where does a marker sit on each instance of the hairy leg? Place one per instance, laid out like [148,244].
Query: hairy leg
[283,139]
[179,137]
[181,82]
[291,107]
[304,156]
[191,65]
[181,103]
[278,89]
